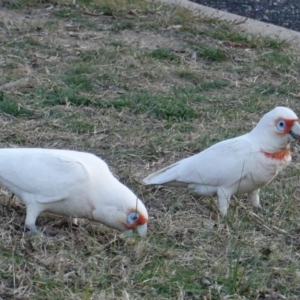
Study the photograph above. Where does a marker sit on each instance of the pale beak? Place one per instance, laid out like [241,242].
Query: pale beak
[294,133]
[141,230]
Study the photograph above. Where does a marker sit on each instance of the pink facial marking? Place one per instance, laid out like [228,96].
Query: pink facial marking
[289,124]
[140,221]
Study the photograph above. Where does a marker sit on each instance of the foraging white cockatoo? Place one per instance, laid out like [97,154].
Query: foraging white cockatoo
[239,165]
[70,183]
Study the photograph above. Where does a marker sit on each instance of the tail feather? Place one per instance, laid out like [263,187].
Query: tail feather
[166,176]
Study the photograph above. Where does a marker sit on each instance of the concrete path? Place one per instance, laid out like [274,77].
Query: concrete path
[244,24]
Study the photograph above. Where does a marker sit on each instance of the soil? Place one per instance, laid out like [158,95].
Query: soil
[285,13]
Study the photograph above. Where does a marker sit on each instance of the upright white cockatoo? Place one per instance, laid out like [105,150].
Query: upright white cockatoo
[239,165]
[70,183]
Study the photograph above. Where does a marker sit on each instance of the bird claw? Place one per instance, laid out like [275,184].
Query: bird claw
[31,231]
[34,233]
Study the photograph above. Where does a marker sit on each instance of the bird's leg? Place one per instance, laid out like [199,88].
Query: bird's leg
[31,230]
[31,215]
[253,198]
[223,198]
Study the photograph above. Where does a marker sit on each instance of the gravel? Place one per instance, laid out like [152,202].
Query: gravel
[285,13]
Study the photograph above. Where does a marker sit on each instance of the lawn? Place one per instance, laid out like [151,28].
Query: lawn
[142,85]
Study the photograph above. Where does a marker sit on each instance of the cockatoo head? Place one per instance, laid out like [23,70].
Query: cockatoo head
[136,219]
[124,212]
[278,128]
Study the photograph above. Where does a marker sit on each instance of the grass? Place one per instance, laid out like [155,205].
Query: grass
[120,79]
[213,54]
[173,107]
[164,54]
[11,107]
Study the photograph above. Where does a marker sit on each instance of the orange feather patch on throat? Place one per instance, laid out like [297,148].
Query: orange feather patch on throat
[279,155]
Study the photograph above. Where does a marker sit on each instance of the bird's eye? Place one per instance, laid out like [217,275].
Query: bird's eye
[280,125]
[132,218]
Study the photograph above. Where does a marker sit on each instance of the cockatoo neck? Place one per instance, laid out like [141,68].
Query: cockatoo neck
[267,141]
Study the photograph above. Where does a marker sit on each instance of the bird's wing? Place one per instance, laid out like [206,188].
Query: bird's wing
[49,176]
[222,164]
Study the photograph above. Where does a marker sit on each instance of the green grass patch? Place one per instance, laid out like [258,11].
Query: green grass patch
[213,53]
[123,25]
[102,55]
[78,82]
[225,32]
[63,96]
[80,126]
[180,105]
[189,76]
[107,11]
[173,275]
[186,74]
[27,43]
[76,18]
[164,54]
[66,13]
[270,89]
[214,84]
[277,61]
[11,107]
[160,106]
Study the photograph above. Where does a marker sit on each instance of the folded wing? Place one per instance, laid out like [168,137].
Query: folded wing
[221,164]
[48,175]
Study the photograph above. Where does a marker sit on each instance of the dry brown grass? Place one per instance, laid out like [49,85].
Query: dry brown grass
[116,79]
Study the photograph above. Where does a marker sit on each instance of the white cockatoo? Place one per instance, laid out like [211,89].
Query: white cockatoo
[239,165]
[70,183]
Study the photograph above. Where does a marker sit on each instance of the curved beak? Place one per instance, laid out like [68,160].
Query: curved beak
[141,230]
[294,133]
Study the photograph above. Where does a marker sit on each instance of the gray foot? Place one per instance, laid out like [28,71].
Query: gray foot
[31,230]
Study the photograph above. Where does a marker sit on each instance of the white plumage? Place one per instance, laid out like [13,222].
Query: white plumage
[239,165]
[70,183]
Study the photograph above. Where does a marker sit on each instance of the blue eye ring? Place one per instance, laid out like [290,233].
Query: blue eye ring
[281,125]
[132,218]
